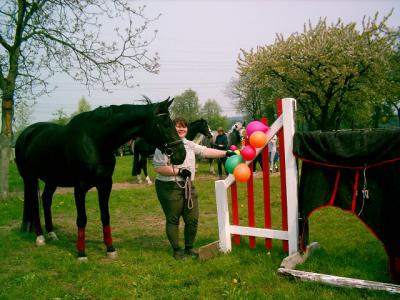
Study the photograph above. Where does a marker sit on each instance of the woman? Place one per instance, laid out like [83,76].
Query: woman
[176,192]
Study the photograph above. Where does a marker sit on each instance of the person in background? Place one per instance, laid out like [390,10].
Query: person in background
[243,136]
[258,160]
[272,153]
[176,191]
[221,143]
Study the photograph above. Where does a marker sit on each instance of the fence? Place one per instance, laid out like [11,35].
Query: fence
[284,127]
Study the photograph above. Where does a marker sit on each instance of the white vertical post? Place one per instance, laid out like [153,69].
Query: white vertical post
[221,194]
[288,108]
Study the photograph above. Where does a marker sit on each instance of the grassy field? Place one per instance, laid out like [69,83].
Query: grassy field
[145,268]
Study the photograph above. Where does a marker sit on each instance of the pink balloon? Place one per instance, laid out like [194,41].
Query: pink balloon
[256,126]
[248,152]
[233,147]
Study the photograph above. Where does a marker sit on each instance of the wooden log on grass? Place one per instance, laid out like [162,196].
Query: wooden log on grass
[297,258]
[340,281]
[209,251]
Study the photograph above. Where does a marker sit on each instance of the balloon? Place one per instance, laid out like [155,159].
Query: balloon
[248,152]
[233,147]
[258,139]
[254,126]
[237,151]
[242,172]
[232,162]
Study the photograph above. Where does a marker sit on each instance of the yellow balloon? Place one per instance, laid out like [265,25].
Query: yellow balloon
[237,151]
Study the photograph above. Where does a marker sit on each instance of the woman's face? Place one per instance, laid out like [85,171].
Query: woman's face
[181,130]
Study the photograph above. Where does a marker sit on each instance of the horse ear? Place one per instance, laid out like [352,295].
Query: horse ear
[169,101]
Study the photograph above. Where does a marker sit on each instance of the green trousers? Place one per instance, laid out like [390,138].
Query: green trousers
[174,205]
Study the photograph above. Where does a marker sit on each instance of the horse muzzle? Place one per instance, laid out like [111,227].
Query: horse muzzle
[175,151]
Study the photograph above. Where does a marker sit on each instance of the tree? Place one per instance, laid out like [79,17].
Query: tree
[22,117]
[392,88]
[186,105]
[39,38]
[334,71]
[211,112]
[252,100]
[61,117]
[83,105]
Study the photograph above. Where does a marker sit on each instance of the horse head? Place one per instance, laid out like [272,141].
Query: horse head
[163,134]
[198,126]
[204,129]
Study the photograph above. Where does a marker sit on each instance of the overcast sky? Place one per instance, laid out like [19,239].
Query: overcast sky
[199,41]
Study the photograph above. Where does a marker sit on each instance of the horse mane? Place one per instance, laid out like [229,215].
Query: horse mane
[197,121]
[103,113]
[147,99]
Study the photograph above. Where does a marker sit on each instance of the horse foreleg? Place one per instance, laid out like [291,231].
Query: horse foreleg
[104,190]
[81,221]
[47,198]
[111,251]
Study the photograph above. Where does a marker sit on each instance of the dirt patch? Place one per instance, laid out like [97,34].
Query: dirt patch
[116,186]
[136,185]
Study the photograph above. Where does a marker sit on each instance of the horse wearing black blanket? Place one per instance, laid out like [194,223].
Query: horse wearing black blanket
[358,171]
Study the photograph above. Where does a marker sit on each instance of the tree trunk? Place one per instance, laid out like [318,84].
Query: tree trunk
[4,165]
[5,145]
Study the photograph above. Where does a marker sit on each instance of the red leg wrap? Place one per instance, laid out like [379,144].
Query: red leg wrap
[107,235]
[80,243]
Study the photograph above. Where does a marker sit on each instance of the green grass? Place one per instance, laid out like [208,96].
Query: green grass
[145,268]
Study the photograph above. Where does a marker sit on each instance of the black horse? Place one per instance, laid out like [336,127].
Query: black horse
[81,155]
[142,150]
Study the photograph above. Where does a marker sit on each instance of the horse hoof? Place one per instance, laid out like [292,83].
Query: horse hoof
[82,259]
[40,241]
[112,255]
[52,236]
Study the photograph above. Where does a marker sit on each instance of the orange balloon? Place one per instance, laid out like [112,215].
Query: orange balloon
[242,172]
[258,139]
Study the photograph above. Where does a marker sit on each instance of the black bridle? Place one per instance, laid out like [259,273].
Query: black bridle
[166,147]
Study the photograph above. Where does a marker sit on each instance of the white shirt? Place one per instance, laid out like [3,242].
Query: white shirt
[161,160]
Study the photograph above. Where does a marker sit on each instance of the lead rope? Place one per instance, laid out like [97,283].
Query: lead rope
[188,189]
[365,193]
[188,193]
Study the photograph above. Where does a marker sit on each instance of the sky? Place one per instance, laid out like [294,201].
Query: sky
[199,42]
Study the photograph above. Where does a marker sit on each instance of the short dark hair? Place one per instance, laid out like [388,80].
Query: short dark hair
[181,121]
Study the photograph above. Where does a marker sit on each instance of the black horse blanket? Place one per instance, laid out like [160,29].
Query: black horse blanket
[358,171]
